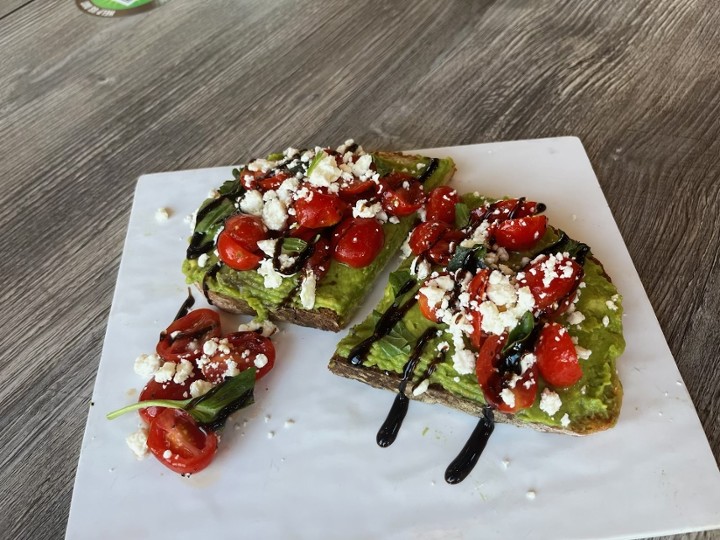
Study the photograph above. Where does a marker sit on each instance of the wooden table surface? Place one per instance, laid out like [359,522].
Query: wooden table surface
[88,104]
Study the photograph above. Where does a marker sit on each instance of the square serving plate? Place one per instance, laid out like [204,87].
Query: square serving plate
[302,462]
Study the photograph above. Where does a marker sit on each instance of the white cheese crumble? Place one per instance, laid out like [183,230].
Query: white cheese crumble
[582,352]
[267,328]
[162,215]
[183,371]
[364,210]
[200,388]
[165,373]
[611,305]
[550,402]
[167,454]
[325,172]
[565,420]
[272,278]
[420,268]
[274,213]
[575,317]
[260,361]
[252,203]
[267,246]
[138,442]
[146,365]
[606,320]
[202,260]
[508,397]
[421,388]
[307,290]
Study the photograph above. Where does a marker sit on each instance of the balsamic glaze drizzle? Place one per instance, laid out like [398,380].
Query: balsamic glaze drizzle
[468,457]
[199,243]
[300,259]
[429,170]
[186,305]
[209,275]
[390,428]
[385,324]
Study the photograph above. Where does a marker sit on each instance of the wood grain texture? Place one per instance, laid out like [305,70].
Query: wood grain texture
[88,104]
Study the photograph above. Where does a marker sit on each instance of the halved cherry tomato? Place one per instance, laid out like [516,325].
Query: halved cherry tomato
[524,389]
[441,251]
[273,182]
[425,235]
[520,234]
[563,273]
[303,233]
[556,356]
[357,241]
[249,178]
[357,189]
[441,205]
[402,194]
[185,336]
[319,210]
[430,313]
[319,261]
[507,209]
[179,443]
[168,390]
[237,243]
[245,348]
[476,288]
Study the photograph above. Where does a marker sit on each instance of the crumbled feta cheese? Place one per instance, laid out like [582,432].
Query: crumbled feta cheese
[508,397]
[527,361]
[260,361]
[202,260]
[364,210]
[210,347]
[464,361]
[162,215]
[575,317]
[421,388]
[611,305]
[138,442]
[287,189]
[307,290]
[183,371]
[478,237]
[146,365]
[200,388]
[267,246]
[231,368]
[252,203]
[261,165]
[436,289]
[325,172]
[565,420]
[499,289]
[272,278]
[267,328]
[582,353]
[420,268]
[167,454]
[361,167]
[274,213]
[606,320]
[165,373]
[550,402]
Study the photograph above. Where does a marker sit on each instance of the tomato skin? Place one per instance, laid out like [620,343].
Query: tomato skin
[487,358]
[197,326]
[169,390]
[524,392]
[401,194]
[319,261]
[319,210]
[425,235]
[244,349]
[520,234]
[441,252]
[556,356]
[429,313]
[503,209]
[237,243]
[476,288]
[357,241]
[273,182]
[440,205]
[558,288]
[233,254]
[191,448]
[358,189]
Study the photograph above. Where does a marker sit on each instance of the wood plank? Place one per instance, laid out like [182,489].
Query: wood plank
[88,104]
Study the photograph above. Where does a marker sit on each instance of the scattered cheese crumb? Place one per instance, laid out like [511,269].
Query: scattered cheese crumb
[162,215]
[531,495]
[146,365]
[565,420]
[200,388]
[165,373]
[575,317]
[289,422]
[606,320]
[550,402]
[421,388]
[138,442]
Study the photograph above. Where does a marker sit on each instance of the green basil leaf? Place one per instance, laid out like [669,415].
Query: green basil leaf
[521,332]
[277,156]
[319,156]
[214,216]
[231,188]
[293,245]
[462,215]
[461,253]
[398,278]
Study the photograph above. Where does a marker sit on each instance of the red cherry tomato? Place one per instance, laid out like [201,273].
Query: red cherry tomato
[520,234]
[319,261]
[502,210]
[273,182]
[476,288]
[357,241]
[169,390]
[179,443]
[430,313]
[557,359]
[246,231]
[425,235]
[249,178]
[441,205]
[357,189]
[487,358]
[524,392]
[235,255]
[319,210]
[245,347]
[185,336]
[441,251]
[402,194]
[563,274]
[303,233]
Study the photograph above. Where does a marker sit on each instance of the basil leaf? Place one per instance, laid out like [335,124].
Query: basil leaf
[319,156]
[293,245]
[382,167]
[231,188]
[461,253]
[277,156]
[462,215]
[521,332]
[214,216]
[212,409]
[398,278]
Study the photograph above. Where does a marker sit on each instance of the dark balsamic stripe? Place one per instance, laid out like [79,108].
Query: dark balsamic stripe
[210,275]
[186,305]
[427,173]
[468,457]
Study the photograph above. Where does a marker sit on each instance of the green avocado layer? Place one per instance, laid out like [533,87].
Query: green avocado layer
[343,287]
[594,400]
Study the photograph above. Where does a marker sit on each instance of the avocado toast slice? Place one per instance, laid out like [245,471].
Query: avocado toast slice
[527,331]
[311,207]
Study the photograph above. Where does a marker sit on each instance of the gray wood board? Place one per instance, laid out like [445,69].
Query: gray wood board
[88,104]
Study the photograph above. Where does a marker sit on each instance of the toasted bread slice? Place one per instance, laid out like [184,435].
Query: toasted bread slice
[340,289]
[593,320]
